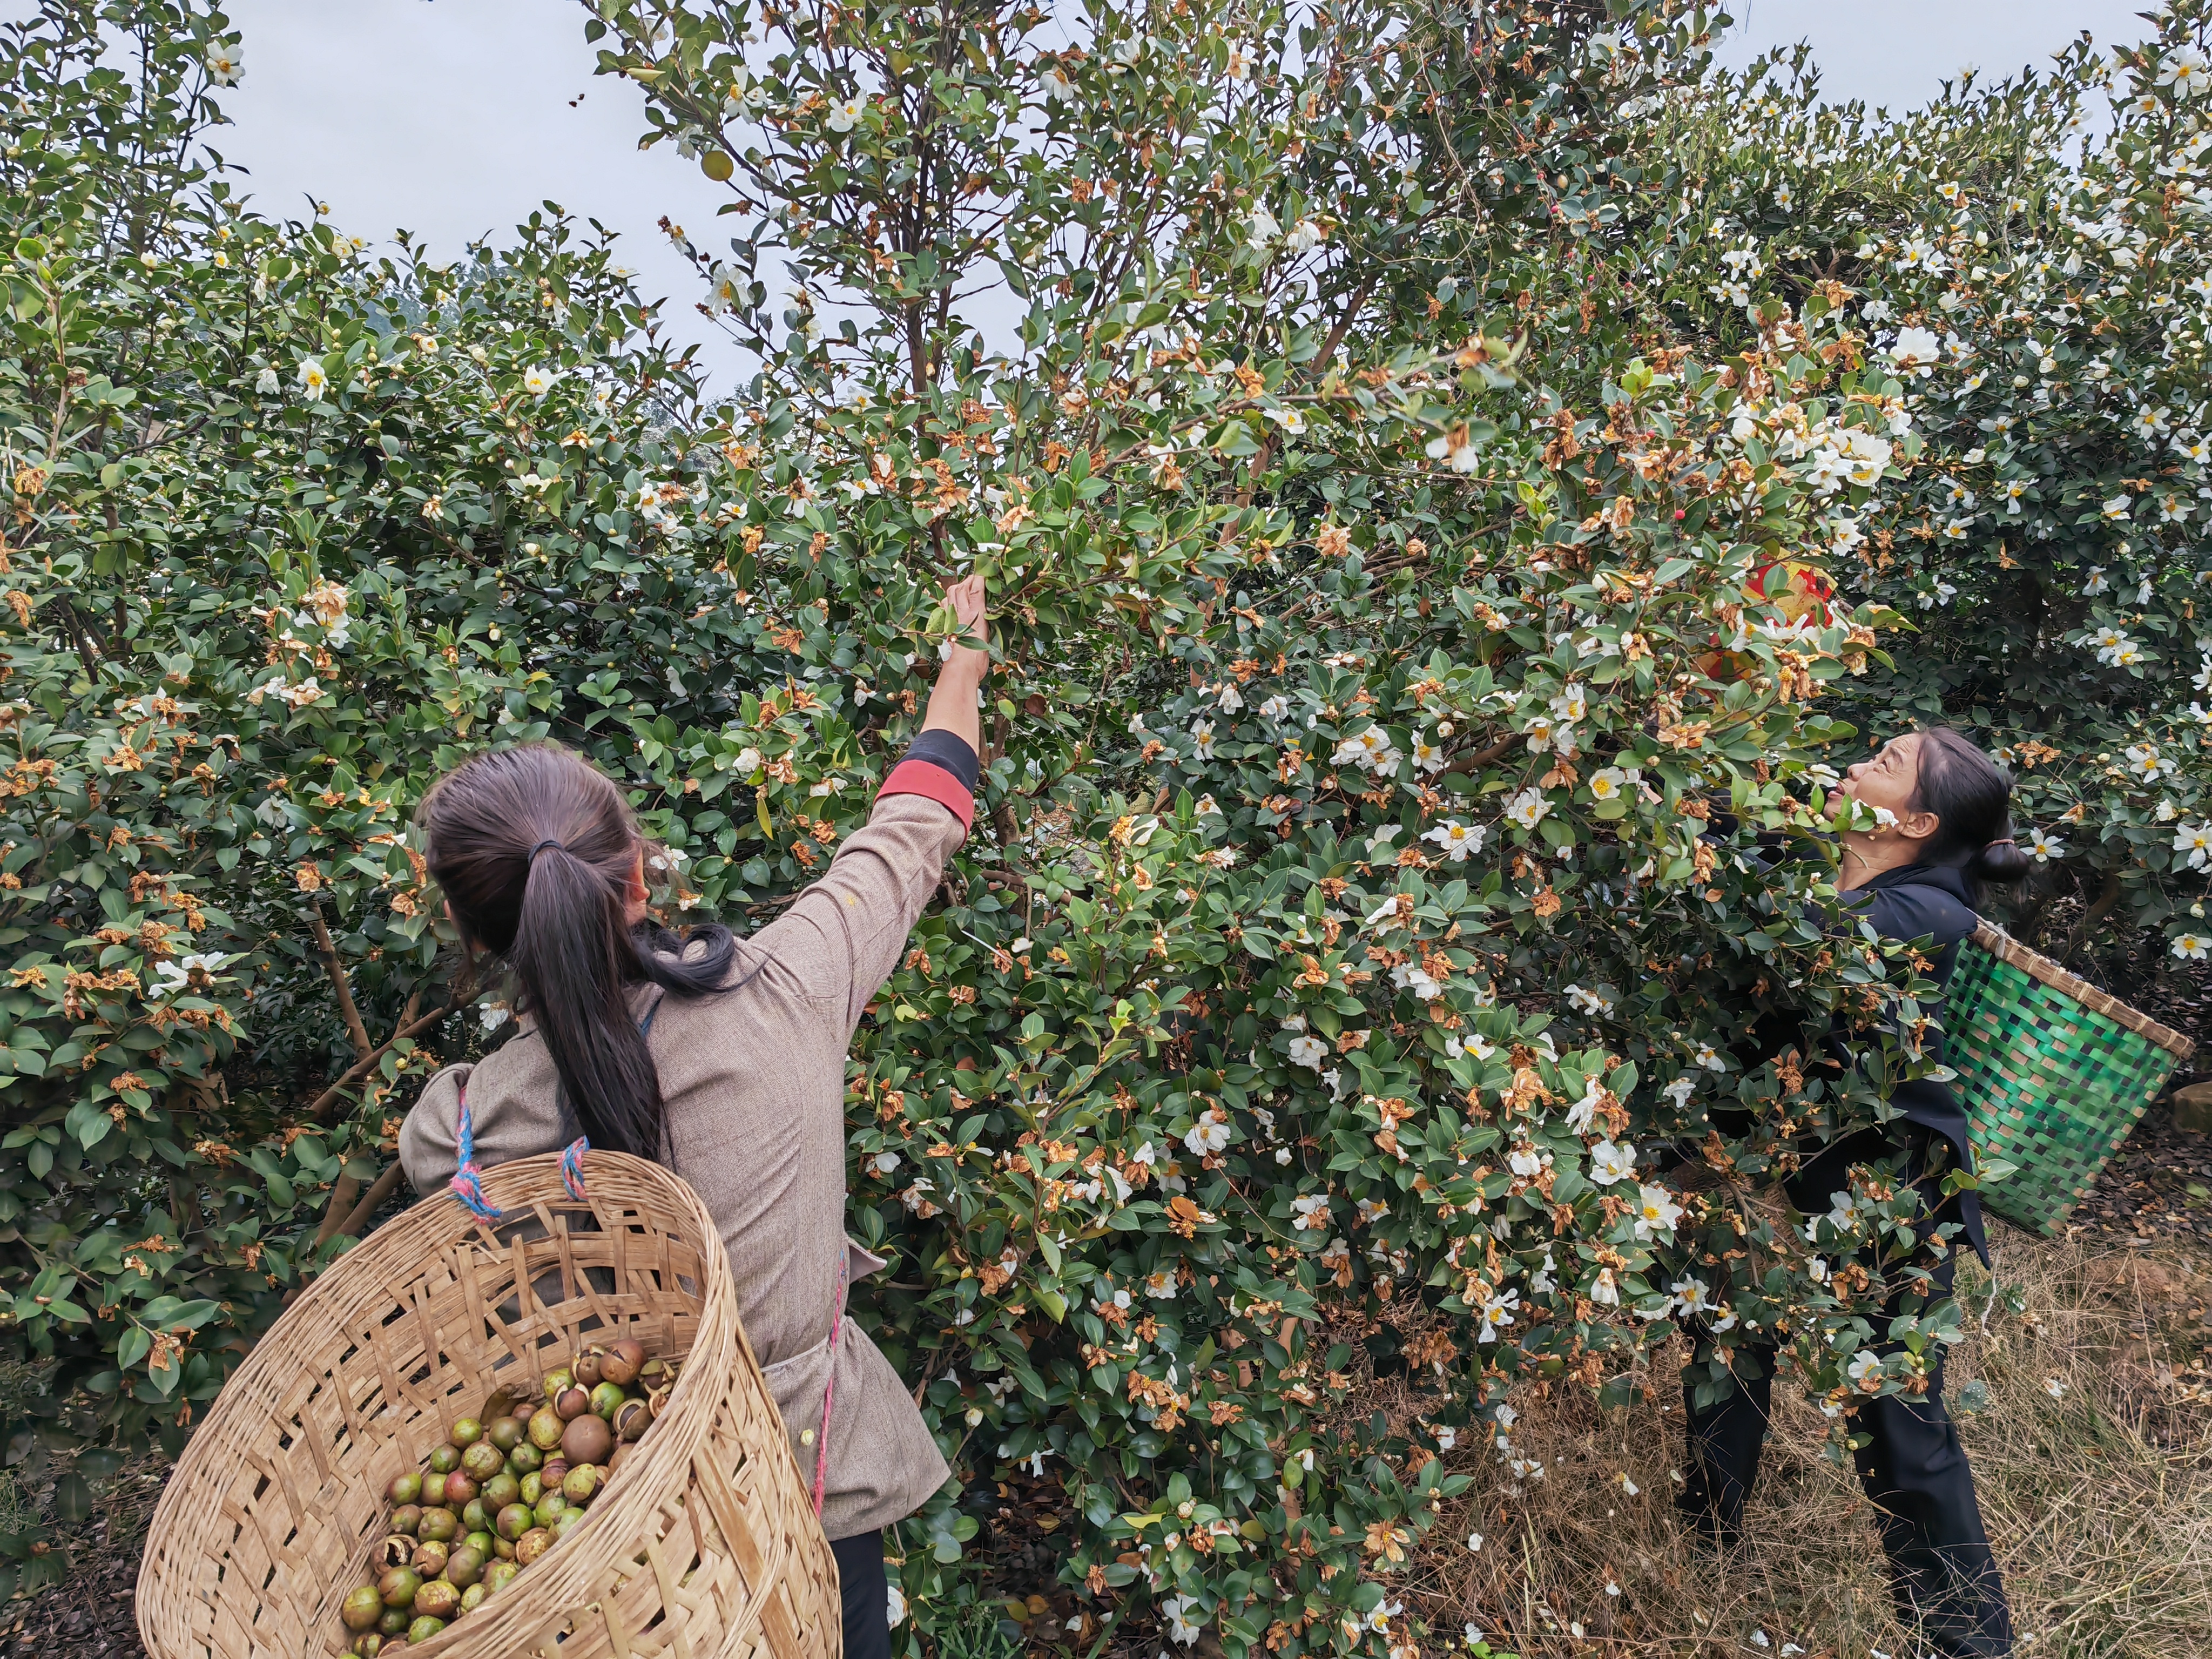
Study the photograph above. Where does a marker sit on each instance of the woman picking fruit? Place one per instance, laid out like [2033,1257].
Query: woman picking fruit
[721,1059]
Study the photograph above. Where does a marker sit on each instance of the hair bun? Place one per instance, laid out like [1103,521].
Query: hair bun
[2003,862]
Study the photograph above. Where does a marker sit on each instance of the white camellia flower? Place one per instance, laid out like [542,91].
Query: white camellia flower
[2184,71]
[1312,1212]
[1496,1313]
[1915,351]
[1656,1212]
[314,380]
[267,384]
[224,63]
[845,115]
[1184,1621]
[1610,1163]
[1240,61]
[2191,947]
[1207,1136]
[2195,842]
[539,381]
[1691,1296]
[884,1164]
[1309,1051]
[1201,739]
[1161,1285]
[1303,237]
[1607,782]
[1275,708]
[1264,230]
[894,1608]
[1457,839]
[1604,1290]
[1527,808]
[1865,1370]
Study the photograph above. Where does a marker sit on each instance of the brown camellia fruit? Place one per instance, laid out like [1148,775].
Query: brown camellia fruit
[499,1492]
[532,1545]
[459,1488]
[587,1440]
[506,1433]
[622,1456]
[622,1361]
[437,1600]
[397,1587]
[466,1567]
[484,1460]
[433,1490]
[546,1424]
[514,1521]
[361,1608]
[367,1646]
[429,1559]
[585,1368]
[631,1420]
[573,1404]
[396,1551]
[555,1472]
[406,1518]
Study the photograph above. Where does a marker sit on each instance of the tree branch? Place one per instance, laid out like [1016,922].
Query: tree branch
[361,1068]
[373,1199]
[361,1046]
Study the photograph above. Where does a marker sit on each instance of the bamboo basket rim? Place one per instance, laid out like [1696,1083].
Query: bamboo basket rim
[2006,949]
[362,1283]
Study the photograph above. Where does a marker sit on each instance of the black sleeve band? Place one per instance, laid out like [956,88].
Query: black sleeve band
[943,749]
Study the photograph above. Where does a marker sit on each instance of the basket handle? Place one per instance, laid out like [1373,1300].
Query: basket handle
[467,1183]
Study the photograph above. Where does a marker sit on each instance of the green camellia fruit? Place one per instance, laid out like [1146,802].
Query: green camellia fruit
[444,1460]
[499,1575]
[466,1567]
[532,1488]
[557,1381]
[406,1518]
[532,1545]
[367,1646]
[475,1517]
[465,1432]
[564,1522]
[546,1424]
[717,165]
[361,1608]
[424,1628]
[405,1489]
[429,1559]
[506,1433]
[473,1596]
[484,1460]
[433,1490]
[392,1626]
[526,1458]
[606,1400]
[481,1542]
[397,1587]
[498,1492]
[549,1507]
[580,1484]
[514,1521]
[438,1526]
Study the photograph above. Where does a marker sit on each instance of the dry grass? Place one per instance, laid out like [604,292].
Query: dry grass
[2098,1500]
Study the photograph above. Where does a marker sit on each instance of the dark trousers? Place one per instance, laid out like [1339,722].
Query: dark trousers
[866,1594]
[1942,1572]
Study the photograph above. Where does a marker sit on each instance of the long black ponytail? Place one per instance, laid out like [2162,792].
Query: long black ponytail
[538,854]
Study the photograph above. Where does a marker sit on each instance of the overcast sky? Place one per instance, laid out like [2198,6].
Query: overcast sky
[454,119]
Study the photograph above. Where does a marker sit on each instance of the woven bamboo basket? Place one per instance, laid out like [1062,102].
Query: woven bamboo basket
[703,1546]
[2054,1071]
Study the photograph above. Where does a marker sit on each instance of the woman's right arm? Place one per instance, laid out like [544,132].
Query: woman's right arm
[841,938]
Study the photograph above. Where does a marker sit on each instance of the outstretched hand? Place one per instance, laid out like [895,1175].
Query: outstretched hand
[971,607]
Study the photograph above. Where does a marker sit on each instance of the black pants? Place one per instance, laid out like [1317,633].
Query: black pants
[1942,1572]
[866,1594]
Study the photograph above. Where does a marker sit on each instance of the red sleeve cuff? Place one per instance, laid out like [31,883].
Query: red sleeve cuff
[921,777]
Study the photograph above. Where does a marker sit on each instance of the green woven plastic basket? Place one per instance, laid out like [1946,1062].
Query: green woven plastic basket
[2053,1070]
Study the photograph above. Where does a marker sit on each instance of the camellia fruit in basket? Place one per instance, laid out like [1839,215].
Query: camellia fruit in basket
[502,1491]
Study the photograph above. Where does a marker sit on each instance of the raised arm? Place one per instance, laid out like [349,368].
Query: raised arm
[842,936]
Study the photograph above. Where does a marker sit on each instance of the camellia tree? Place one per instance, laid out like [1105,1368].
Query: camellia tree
[2029,257]
[1392,694]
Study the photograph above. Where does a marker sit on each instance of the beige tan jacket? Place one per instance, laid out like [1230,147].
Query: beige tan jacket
[754,1079]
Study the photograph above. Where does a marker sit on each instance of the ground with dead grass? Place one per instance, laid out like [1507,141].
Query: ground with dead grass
[2092,1452]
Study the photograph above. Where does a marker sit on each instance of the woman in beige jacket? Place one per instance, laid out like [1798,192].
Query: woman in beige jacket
[721,1058]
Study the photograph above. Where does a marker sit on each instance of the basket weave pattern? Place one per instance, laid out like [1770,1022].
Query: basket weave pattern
[703,1544]
[2054,1071]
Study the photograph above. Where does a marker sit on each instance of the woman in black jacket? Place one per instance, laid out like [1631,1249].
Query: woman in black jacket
[1943,827]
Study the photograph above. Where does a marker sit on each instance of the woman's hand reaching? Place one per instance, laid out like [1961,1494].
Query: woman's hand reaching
[952,705]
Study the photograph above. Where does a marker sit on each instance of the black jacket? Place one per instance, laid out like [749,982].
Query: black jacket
[1913,902]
